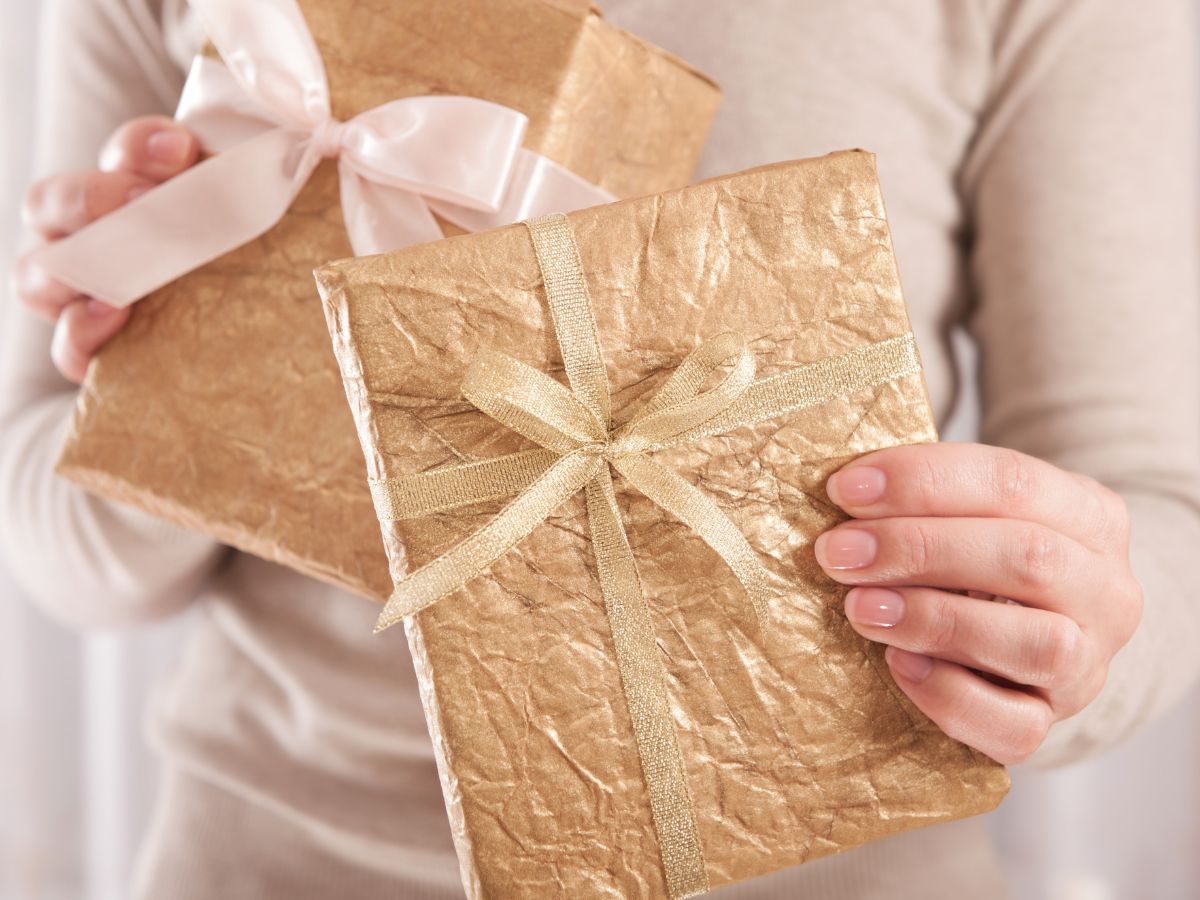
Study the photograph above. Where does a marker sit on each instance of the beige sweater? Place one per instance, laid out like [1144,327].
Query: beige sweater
[1038,161]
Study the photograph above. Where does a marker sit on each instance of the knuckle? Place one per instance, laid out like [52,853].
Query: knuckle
[1056,654]
[1109,513]
[1012,478]
[42,198]
[1026,736]
[92,197]
[1120,524]
[1131,605]
[927,478]
[59,204]
[1086,689]
[1040,558]
[941,630]
[1094,684]
[36,290]
[920,545]
[1118,510]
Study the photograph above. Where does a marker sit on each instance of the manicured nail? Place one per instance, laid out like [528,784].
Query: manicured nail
[910,666]
[856,486]
[167,146]
[880,607]
[99,308]
[846,548]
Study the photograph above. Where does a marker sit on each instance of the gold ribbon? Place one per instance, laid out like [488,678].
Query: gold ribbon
[580,449]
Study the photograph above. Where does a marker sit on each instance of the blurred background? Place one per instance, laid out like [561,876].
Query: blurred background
[76,780]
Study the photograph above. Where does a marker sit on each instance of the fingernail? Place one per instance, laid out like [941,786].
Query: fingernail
[99,308]
[910,666]
[136,191]
[846,548]
[29,278]
[167,146]
[880,607]
[856,486]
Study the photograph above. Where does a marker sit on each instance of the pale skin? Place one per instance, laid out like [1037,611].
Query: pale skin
[937,532]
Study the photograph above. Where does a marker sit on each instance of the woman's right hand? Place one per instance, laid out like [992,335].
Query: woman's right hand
[141,154]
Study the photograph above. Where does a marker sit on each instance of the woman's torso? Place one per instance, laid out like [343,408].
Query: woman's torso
[287,699]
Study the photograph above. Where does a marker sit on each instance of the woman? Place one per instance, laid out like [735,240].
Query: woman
[1039,166]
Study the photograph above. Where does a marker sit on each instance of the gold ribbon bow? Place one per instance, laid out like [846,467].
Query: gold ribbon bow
[580,449]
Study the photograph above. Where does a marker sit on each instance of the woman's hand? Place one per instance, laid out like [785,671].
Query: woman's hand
[930,519]
[141,154]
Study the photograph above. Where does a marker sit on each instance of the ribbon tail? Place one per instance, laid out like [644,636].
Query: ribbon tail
[218,205]
[380,218]
[697,511]
[513,524]
[645,685]
[450,487]
[869,366]
[530,402]
[537,187]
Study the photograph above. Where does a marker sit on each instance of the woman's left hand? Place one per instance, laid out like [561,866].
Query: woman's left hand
[930,519]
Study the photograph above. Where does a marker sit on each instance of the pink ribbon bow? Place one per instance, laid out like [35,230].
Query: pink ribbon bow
[265,113]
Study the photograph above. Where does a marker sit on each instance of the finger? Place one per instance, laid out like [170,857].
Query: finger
[1004,723]
[954,479]
[38,291]
[1023,560]
[83,328]
[62,204]
[152,147]
[1032,647]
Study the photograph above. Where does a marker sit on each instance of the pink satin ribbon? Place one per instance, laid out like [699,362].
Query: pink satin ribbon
[265,114]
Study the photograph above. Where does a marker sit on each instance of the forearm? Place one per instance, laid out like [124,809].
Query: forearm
[1083,187]
[88,561]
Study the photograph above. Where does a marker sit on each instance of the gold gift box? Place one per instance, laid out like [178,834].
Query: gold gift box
[796,743]
[220,406]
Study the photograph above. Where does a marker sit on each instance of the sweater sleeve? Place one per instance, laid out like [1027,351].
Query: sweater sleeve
[1082,190]
[88,562]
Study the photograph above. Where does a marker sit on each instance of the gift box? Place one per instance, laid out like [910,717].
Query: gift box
[598,446]
[220,405]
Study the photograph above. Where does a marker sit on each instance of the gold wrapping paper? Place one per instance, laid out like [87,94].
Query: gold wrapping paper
[220,405]
[795,741]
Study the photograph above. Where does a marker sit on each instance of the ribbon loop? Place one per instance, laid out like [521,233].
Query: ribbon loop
[271,54]
[681,405]
[531,403]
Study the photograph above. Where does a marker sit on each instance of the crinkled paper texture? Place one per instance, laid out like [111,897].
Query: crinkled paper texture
[220,405]
[795,746]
